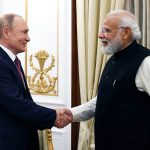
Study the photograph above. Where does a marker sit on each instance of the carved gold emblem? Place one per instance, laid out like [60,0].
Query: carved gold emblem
[41,82]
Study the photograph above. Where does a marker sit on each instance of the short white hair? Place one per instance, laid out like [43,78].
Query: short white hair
[127,19]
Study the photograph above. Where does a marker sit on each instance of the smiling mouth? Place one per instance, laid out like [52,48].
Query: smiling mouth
[24,44]
[105,43]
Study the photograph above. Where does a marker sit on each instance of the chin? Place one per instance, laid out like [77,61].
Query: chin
[22,50]
[106,51]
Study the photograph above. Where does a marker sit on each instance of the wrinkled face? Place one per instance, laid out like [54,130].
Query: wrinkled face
[18,36]
[111,36]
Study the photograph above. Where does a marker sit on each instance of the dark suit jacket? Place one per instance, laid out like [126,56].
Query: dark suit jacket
[20,117]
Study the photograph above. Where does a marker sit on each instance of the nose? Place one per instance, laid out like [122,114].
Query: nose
[101,35]
[27,38]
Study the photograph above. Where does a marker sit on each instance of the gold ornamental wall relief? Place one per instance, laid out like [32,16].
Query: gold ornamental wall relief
[41,82]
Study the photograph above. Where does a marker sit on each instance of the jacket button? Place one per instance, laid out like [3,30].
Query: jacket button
[107,76]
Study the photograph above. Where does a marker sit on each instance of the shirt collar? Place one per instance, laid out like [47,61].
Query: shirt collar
[9,52]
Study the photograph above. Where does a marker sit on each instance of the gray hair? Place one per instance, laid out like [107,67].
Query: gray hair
[127,19]
[7,21]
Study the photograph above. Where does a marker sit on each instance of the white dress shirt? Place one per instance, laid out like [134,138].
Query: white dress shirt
[10,53]
[142,80]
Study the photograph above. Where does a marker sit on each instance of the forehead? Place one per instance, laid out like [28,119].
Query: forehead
[19,22]
[111,22]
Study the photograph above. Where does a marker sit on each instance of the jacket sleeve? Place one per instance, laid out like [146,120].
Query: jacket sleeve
[14,102]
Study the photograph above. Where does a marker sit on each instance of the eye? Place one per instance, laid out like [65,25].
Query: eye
[106,30]
[25,31]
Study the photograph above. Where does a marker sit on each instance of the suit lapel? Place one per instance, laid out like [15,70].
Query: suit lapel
[4,56]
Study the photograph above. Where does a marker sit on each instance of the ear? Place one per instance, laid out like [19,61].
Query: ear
[126,33]
[5,32]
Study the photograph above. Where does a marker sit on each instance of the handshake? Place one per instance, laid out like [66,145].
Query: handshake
[63,117]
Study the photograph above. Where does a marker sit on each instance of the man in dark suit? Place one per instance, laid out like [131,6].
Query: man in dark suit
[20,117]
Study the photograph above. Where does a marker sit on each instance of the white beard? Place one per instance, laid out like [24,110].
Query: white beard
[113,46]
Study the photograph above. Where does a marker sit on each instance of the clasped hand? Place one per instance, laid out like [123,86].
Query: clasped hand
[64,117]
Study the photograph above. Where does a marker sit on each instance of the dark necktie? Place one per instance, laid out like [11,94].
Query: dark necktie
[18,66]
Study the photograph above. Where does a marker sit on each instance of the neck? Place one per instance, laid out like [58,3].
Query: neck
[8,47]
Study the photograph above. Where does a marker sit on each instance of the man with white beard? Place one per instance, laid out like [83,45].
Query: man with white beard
[122,106]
